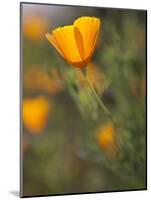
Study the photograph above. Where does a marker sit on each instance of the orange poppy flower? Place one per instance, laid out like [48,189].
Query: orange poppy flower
[106,139]
[42,81]
[76,43]
[106,135]
[35,113]
[34,27]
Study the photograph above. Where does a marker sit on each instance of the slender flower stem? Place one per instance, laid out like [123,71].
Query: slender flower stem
[104,108]
[99,100]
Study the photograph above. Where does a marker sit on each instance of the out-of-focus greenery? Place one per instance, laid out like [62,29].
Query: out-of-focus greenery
[71,152]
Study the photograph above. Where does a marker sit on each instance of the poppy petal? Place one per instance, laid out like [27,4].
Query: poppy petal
[88,26]
[53,41]
[79,42]
[66,39]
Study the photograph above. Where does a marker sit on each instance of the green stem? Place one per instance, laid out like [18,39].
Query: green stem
[100,102]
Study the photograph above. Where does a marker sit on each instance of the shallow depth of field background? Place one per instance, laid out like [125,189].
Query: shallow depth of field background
[68,144]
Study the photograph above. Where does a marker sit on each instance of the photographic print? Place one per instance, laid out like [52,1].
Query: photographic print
[83,99]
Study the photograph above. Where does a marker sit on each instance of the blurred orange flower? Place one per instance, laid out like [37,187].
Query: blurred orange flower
[42,81]
[106,135]
[76,43]
[35,113]
[34,27]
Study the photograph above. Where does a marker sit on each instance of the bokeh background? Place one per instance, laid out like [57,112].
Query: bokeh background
[68,145]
